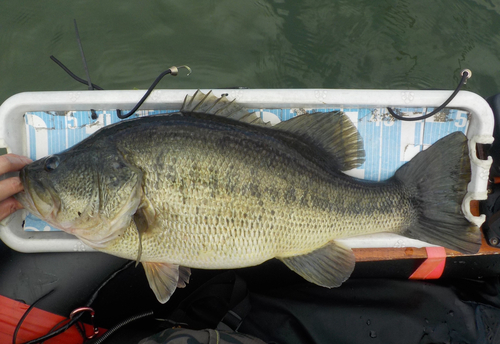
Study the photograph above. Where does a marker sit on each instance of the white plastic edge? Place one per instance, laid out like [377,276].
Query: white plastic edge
[13,133]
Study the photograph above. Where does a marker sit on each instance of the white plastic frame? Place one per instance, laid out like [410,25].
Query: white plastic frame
[12,136]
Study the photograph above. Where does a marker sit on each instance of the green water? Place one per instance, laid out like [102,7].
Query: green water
[258,44]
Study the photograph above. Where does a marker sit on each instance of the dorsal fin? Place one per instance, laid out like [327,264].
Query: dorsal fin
[210,104]
[332,131]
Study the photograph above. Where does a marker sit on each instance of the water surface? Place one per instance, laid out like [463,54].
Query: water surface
[253,43]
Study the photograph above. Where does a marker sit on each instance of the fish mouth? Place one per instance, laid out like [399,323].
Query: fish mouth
[24,197]
[34,197]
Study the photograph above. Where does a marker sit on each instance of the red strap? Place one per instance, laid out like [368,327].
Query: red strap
[433,266]
[37,323]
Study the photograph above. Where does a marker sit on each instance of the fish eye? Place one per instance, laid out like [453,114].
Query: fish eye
[51,163]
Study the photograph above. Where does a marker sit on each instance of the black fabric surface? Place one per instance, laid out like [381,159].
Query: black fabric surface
[379,311]
[360,311]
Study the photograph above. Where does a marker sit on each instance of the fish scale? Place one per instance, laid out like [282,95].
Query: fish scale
[220,236]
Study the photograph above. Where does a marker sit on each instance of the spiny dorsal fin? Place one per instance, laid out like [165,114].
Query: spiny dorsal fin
[334,132]
[210,104]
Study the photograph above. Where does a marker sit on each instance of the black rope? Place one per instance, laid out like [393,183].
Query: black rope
[466,74]
[71,74]
[18,327]
[119,326]
[144,97]
[171,70]
[89,83]
[77,317]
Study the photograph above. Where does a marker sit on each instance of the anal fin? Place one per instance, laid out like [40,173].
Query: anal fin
[164,278]
[328,266]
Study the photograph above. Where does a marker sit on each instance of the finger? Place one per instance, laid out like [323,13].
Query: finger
[9,187]
[9,206]
[12,162]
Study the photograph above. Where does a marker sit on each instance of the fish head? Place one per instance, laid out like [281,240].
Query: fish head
[88,193]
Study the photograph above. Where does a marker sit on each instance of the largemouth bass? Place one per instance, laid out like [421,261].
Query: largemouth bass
[213,187]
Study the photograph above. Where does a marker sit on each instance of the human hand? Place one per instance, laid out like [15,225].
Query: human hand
[10,186]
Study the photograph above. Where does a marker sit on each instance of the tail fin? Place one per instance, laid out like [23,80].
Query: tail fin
[437,179]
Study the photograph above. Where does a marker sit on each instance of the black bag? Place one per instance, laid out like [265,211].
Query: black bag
[222,304]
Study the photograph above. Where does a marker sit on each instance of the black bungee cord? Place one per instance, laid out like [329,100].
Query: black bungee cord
[71,74]
[89,83]
[75,315]
[466,74]
[115,328]
[172,70]
[20,322]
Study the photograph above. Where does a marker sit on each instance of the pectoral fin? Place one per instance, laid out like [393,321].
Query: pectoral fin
[143,219]
[164,278]
[328,266]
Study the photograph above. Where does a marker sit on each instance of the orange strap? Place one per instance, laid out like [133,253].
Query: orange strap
[433,266]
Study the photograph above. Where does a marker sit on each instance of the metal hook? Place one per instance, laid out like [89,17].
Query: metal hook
[175,70]
[92,314]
